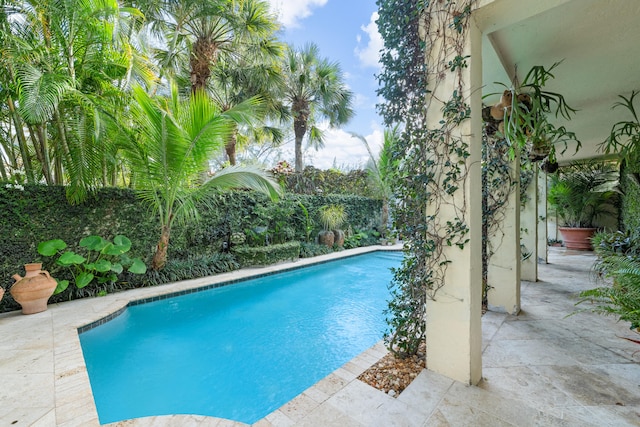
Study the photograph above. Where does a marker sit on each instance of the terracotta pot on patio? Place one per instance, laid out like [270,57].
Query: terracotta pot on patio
[34,289]
[577,238]
[1,293]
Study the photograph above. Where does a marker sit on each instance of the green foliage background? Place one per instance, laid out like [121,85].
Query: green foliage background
[629,181]
[40,213]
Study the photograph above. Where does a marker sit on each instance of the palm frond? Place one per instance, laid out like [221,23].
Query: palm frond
[247,177]
[40,93]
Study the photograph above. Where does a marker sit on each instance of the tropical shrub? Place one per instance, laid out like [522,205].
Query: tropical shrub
[308,249]
[622,297]
[332,216]
[195,266]
[583,192]
[618,266]
[361,238]
[103,262]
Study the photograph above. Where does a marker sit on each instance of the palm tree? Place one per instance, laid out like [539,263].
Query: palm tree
[199,33]
[65,57]
[382,171]
[315,90]
[238,78]
[168,145]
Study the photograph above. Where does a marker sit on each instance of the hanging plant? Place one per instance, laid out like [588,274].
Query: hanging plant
[523,114]
[624,137]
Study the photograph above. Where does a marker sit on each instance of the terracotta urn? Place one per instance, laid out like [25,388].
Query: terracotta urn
[34,289]
[1,293]
[326,238]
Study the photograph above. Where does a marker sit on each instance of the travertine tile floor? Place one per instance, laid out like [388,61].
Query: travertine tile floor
[540,368]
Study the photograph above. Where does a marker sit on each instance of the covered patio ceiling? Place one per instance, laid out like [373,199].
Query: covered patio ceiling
[597,42]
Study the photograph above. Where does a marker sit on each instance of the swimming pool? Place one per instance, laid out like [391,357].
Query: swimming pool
[240,351]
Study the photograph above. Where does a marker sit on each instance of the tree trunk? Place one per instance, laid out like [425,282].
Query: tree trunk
[299,128]
[230,147]
[39,140]
[3,173]
[203,53]
[52,179]
[160,257]
[385,216]
[22,141]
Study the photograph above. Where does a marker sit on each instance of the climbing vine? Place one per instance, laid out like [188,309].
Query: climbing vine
[424,42]
[423,58]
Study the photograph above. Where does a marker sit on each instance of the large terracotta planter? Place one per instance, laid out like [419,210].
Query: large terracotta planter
[34,289]
[577,238]
[338,238]
[326,238]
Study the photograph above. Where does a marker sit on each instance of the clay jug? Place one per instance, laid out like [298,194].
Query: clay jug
[34,289]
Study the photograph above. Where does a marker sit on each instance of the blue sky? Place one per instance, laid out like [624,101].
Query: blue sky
[344,32]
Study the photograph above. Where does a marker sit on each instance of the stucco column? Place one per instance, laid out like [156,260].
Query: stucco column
[529,231]
[503,267]
[453,317]
[543,253]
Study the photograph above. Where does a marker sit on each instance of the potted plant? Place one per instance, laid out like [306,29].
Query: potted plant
[579,194]
[332,218]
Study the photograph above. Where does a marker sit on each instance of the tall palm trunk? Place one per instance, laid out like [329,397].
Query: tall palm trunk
[385,216]
[22,141]
[299,129]
[39,141]
[3,172]
[202,55]
[160,257]
[230,146]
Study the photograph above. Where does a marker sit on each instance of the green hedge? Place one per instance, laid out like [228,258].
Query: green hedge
[39,213]
[249,256]
[331,181]
[630,184]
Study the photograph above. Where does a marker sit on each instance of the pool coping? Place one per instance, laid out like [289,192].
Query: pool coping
[70,400]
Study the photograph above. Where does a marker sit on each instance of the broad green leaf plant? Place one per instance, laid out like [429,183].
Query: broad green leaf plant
[103,262]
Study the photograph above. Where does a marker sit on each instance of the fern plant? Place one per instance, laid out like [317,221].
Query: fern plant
[622,297]
[624,137]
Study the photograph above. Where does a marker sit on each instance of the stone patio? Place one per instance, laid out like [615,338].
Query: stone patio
[540,368]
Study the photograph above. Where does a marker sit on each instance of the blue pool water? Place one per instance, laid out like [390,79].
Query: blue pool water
[239,351]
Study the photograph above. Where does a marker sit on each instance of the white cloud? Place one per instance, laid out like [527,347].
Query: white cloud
[344,150]
[369,55]
[291,12]
[340,149]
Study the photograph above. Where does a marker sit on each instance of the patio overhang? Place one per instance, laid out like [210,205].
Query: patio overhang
[597,42]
